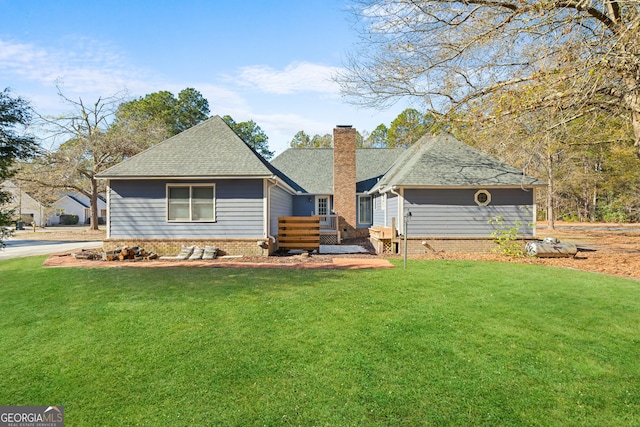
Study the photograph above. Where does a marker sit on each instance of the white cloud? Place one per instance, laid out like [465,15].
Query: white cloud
[89,69]
[82,67]
[24,60]
[296,77]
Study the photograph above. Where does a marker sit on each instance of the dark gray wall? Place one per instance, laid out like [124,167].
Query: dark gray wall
[304,205]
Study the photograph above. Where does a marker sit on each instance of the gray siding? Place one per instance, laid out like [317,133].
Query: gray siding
[378,213]
[303,205]
[306,205]
[392,210]
[139,209]
[281,204]
[454,213]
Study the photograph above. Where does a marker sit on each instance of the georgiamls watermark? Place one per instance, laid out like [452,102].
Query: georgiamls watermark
[31,416]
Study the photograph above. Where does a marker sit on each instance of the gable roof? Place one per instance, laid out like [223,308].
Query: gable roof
[15,191]
[75,199]
[312,168]
[209,149]
[444,161]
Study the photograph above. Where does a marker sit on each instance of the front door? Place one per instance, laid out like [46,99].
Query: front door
[323,209]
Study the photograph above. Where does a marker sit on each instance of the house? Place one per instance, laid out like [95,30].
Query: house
[75,203]
[26,209]
[29,210]
[205,186]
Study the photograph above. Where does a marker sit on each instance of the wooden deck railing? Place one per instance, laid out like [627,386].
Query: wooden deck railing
[328,223]
[299,232]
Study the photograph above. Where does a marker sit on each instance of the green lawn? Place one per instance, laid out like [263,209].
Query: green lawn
[441,343]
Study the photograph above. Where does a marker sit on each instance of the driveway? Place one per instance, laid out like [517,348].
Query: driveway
[20,248]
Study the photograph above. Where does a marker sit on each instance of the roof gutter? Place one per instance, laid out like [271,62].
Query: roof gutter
[183,178]
[385,189]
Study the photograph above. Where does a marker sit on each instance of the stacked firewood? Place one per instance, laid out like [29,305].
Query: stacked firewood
[134,253]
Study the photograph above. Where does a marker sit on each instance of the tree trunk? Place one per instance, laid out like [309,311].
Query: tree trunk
[94,205]
[594,203]
[635,120]
[551,220]
[632,99]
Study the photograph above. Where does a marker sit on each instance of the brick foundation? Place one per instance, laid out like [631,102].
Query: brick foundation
[422,246]
[431,245]
[170,247]
[360,233]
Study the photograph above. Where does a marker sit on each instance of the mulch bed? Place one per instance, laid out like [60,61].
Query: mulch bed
[618,254]
[67,259]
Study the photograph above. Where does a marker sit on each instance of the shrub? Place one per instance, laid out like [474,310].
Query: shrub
[69,219]
[506,238]
[613,212]
[101,221]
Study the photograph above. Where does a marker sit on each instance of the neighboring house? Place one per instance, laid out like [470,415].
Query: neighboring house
[26,209]
[205,186]
[76,204]
[29,210]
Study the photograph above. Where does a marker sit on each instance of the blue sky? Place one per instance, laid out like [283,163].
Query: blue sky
[268,61]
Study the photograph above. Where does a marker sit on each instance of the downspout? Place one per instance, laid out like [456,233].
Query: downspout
[392,190]
[108,222]
[273,183]
[535,213]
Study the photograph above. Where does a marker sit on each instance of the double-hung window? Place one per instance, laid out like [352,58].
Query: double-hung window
[187,203]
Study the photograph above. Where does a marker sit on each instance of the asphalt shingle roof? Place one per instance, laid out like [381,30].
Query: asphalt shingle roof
[443,161]
[209,149]
[212,149]
[312,168]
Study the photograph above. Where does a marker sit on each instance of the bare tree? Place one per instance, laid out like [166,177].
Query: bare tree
[580,56]
[92,142]
[579,158]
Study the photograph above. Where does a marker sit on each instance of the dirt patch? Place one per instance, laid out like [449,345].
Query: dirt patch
[617,253]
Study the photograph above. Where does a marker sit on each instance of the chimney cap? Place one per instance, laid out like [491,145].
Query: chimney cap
[343,126]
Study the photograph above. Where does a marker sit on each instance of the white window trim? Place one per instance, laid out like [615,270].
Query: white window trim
[191,186]
[360,221]
[478,193]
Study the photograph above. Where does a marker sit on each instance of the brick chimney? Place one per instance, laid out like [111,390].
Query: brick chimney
[344,179]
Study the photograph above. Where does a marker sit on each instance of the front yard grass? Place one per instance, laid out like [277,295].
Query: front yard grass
[441,343]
